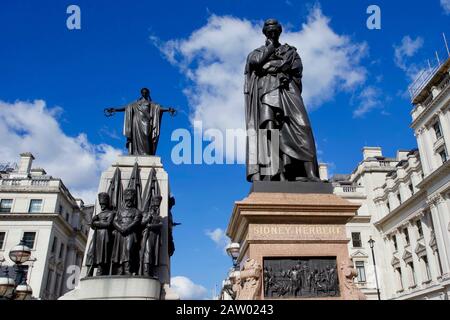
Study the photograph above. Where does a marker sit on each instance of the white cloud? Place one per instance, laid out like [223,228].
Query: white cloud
[213,59]
[187,289]
[406,50]
[445,4]
[369,99]
[219,237]
[31,126]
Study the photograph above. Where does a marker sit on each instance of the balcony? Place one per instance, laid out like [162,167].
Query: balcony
[14,182]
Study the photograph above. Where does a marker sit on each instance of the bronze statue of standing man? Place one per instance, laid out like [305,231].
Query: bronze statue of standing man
[141,124]
[275,111]
[151,238]
[99,252]
[125,253]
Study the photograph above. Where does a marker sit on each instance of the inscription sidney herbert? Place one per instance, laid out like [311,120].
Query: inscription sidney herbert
[297,232]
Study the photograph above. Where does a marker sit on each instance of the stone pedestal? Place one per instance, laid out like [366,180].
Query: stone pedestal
[301,227]
[145,165]
[116,288]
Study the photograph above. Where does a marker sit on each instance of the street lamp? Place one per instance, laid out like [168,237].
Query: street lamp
[17,289]
[233,250]
[371,244]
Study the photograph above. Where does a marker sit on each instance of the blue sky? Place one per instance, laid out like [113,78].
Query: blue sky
[60,80]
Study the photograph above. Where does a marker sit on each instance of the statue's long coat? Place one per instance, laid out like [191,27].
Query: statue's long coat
[142,126]
[266,100]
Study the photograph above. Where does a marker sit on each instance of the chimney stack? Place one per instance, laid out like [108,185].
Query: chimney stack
[370,152]
[26,160]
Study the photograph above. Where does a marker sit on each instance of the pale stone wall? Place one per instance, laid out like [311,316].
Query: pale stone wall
[22,186]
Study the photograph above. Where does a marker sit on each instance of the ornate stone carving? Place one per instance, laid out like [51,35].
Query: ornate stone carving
[352,292]
[434,200]
[248,284]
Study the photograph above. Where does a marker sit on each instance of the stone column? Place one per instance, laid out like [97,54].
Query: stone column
[444,216]
[401,244]
[426,166]
[443,120]
[415,179]
[413,239]
[389,279]
[427,227]
[393,201]
[404,191]
[440,237]
[430,152]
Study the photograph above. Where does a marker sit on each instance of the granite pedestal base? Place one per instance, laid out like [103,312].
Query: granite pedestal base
[303,227]
[116,288]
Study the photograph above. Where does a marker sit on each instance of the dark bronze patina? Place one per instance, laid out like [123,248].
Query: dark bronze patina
[142,124]
[274,106]
[300,277]
[99,252]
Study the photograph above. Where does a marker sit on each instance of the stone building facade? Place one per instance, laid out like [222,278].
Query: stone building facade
[408,201]
[39,208]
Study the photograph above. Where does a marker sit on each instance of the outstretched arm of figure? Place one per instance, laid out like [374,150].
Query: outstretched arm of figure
[170,110]
[110,111]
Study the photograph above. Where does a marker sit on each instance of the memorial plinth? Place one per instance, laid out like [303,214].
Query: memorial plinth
[298,238]
[132,287]
[116,288]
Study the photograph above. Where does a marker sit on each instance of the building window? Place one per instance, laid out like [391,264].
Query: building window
[438,259]
[35,206]
[29,239]
[437,129]
[427,267]
[411,188]
[399,198]
[388,206]
[419,228]
[2,240]
[61,251]
[400,278]
[443,155]
[361,271]
[49,281]
[56,289]
[54,244]
[405,232]
[6,205]
[60,209]
[394,240]
[356,239]
[413,274]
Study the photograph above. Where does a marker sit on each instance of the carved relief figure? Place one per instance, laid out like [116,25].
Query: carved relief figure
[250,278]
[351,291]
